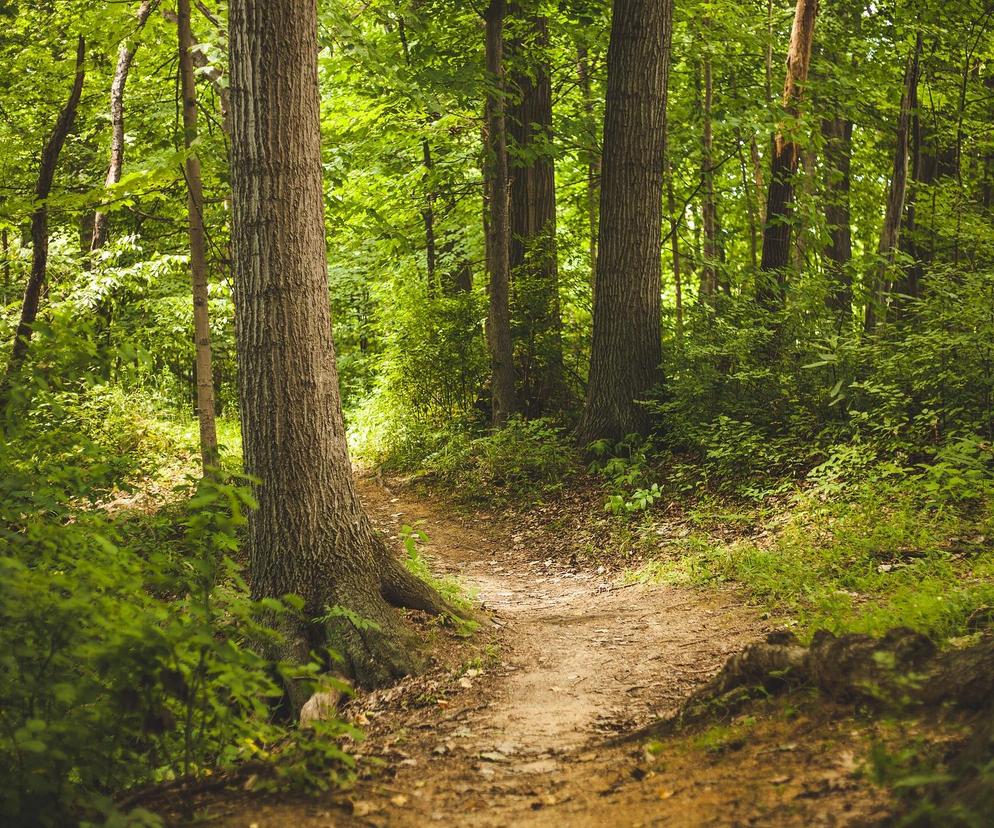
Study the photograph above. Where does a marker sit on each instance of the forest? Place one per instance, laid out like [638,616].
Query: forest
[511,412]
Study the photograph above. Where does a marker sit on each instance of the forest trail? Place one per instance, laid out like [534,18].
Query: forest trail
[521,736]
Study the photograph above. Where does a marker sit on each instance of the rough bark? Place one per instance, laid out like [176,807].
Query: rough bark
[626,352]
[837,132]
[503,398]
[890,235]
[777,230]
[39,221]
[533,260]
[125,55]
[310,535]
[203,362]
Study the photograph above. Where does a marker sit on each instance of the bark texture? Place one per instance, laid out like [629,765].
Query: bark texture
[626,352]
[533,261]
[310,535]
[39,220]
[203,364]
[498,231]
[786,152]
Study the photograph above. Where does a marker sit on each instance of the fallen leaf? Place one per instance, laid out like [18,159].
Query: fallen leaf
[665,793]
[399,800]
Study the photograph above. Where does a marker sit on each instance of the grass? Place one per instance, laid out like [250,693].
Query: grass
[866,563]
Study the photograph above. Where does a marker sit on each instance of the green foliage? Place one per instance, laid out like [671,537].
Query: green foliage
[123,663]
[518,462]
[624,466]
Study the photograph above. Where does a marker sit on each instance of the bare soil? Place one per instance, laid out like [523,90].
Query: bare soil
[521,725]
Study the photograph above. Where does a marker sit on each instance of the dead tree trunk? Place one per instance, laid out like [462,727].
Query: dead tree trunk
[626,349]
[198,255]
[310,535]
[533,260]
[503,397]
[775,260]
[891,234]
[39,222]
[125,55]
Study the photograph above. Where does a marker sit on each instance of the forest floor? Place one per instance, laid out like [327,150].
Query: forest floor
[524,723]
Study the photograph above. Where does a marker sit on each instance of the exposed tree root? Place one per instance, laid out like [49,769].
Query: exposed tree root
[902,668]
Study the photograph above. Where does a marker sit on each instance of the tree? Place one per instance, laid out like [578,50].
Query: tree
[125,56]
[39,220]
[310,535]
[626,348]
[837,133]
[502,382]
[533,261]
[890,235]
[198,253]
[786,152]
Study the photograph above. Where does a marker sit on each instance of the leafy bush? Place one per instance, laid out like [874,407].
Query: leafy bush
[122,665]
[519,461]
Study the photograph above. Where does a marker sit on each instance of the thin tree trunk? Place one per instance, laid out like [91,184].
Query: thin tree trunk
[750,205]
[890,235]
[837,133]
[5,244]
[39,222]
[593,159]
[198,255]
[533,260]
[428,210]
[757,178]
[309,535]
[503,398]
[626,353]
[709,271]
[125,55]
[776,233]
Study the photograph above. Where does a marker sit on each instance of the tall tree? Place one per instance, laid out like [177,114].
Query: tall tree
[837,134]
[709,213]
[775,260]
[533,261]
[204,368]
[39,221]
[890,235]
[502,382]
[310,535]
[626,352]
[125,56]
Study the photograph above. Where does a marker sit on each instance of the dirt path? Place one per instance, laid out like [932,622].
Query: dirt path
[517,737]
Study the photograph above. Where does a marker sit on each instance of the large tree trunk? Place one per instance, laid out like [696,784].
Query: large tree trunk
[776,233]
[310,535]
[837,132]
[625,354]
[503,398]
[204,369]
[39,221]
[533,260]
[890,236]
[125,55]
